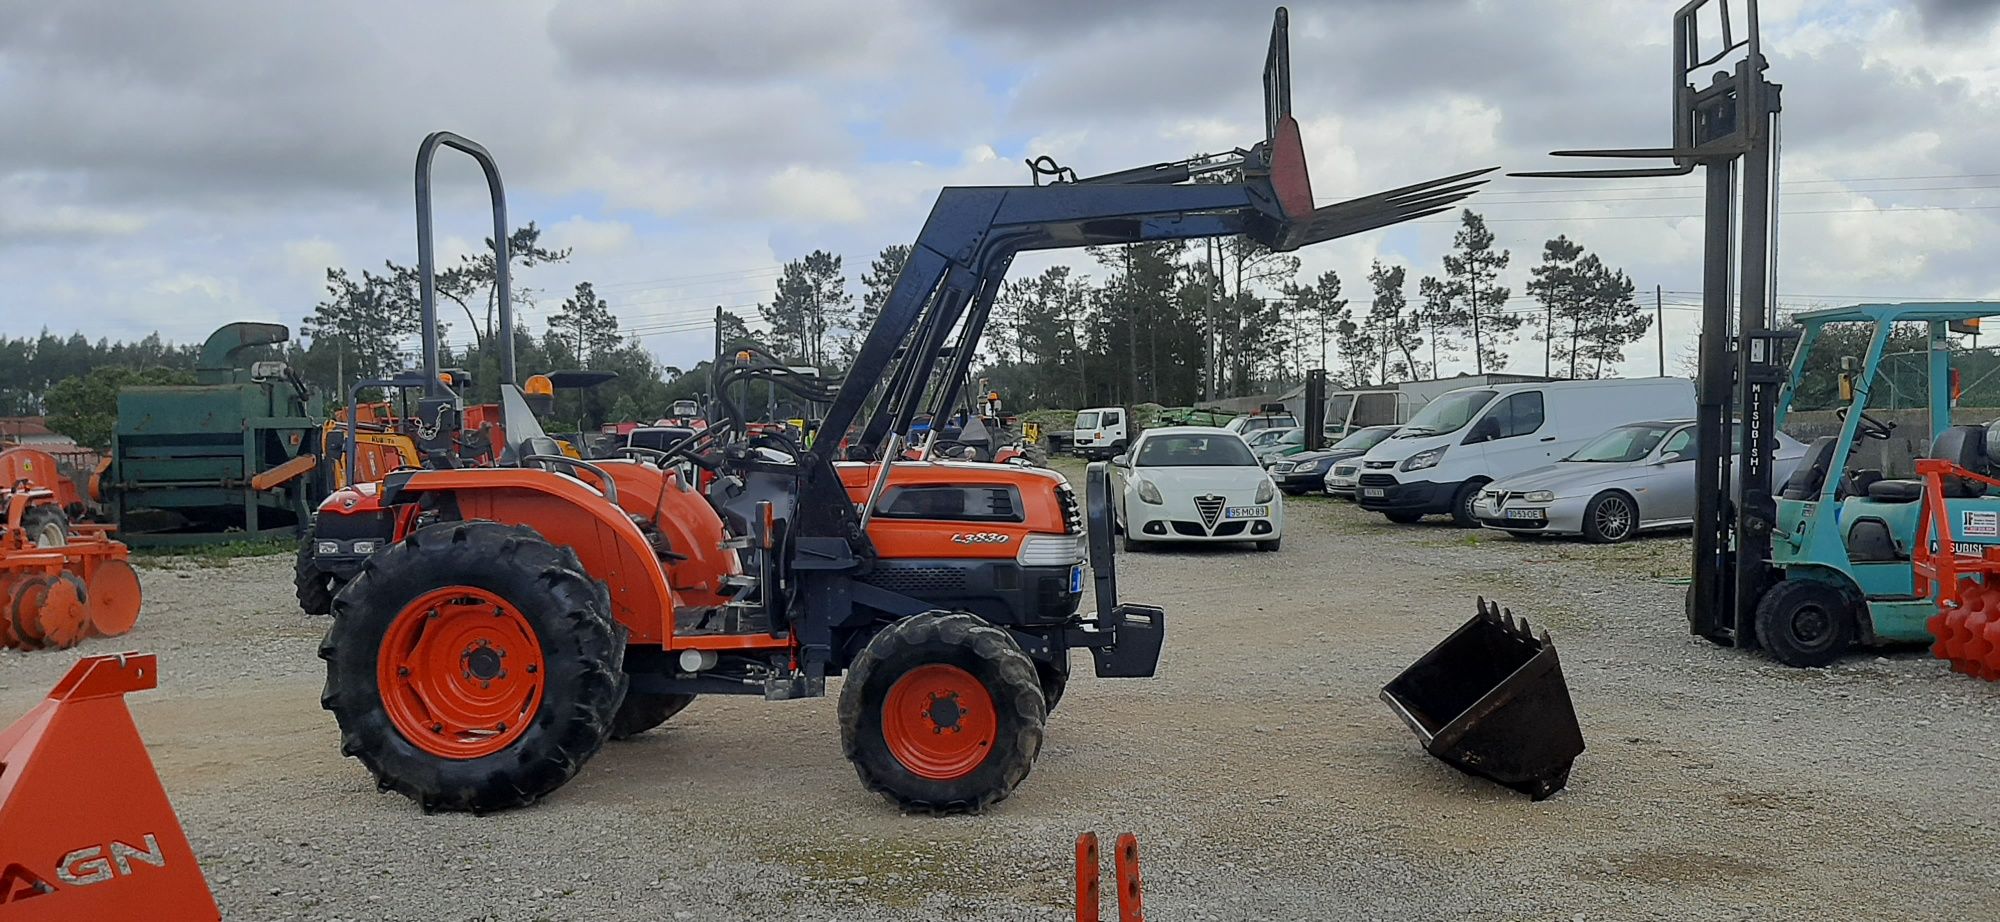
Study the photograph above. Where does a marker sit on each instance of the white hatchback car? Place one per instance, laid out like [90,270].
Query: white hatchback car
[1195,483]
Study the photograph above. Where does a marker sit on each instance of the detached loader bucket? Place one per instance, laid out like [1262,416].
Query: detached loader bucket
[86,831]
[1491,701]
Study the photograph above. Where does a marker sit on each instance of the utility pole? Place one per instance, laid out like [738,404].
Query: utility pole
[1660,327]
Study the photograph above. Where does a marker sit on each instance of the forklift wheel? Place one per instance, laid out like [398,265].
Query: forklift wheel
[1805,623]
[942,713]
[473,667]
[642,712]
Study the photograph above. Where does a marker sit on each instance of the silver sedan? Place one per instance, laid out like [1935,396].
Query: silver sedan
[1630,479]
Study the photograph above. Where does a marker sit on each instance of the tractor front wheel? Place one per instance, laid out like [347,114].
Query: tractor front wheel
[313,586]
[942,712]
[473,667]
[1805,623]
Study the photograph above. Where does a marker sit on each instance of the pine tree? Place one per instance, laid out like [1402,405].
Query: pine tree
[1472,271]
[811,300]
[584,323]
[876,285]
[1554,284]
[1397,330]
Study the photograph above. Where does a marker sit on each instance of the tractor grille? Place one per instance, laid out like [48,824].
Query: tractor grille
[918,581]
[1210,507]
[1378,480]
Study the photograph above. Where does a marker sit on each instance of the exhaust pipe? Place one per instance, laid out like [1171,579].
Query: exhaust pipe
[1491,701]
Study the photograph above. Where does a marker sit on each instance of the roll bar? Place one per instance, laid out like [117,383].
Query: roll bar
[427,257]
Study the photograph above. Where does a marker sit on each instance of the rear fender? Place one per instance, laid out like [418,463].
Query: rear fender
[566,513]
[690,524]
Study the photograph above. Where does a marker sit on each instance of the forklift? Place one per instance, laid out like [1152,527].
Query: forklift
[1727,129]
[1840,573]
[521,614]
[1809,570]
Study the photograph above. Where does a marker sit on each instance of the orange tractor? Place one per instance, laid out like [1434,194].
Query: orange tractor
[61,580]
[509,619]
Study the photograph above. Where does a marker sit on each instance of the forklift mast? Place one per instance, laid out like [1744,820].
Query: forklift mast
[931,323]
[1727,128]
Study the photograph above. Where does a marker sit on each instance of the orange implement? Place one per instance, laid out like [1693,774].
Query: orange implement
[1125,863]
[86,831]
[57,596]
[284,473]
[113,598]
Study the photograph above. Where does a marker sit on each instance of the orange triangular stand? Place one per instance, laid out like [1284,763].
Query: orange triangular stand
[86,831]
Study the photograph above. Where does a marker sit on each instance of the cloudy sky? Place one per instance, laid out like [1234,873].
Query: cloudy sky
[172,166]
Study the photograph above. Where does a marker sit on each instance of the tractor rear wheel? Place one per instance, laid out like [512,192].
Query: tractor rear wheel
[473,666]
[1803,622]
[642,712]
[313,586]
[942,713]
[46,524]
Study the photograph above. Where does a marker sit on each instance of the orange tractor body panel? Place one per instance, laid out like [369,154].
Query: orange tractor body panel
[899,537]
[691,527]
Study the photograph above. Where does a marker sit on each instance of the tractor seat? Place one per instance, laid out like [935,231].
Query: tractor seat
[1896,491]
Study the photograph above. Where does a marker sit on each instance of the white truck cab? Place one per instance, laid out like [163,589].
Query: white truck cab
[1473,436]
[1102,432]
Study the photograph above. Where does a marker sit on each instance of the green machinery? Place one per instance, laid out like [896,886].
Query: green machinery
[1840,571]
[226,458]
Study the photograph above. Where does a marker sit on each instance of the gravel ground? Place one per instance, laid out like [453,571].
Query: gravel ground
[1261,774]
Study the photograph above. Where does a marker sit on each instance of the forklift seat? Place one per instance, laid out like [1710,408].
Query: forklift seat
[1810,475]
[1896,491]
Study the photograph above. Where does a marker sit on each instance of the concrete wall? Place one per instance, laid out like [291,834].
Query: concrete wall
[1894,457]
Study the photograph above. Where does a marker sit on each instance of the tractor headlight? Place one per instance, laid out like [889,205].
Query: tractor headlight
[1051,551]
[1427,458]
[364,546]
[1266,492]
[1539,496]
[326,547]
[1149,493]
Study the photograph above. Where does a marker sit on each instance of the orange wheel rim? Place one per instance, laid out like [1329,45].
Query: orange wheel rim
[460,672]
[939,722]
[114,598]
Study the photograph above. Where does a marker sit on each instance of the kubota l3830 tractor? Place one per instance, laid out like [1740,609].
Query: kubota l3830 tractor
[519,614]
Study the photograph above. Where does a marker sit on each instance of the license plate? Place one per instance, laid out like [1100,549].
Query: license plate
[1371,491]
[1076,578]
[1246,512]
[1532,515]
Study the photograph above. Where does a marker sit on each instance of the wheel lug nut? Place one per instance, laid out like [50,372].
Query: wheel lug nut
[531,669]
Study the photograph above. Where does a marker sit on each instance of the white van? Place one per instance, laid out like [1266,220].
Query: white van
[1101,432]
[1472,436]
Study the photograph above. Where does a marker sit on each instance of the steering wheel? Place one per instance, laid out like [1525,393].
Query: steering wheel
[640,452]
[606,485]
[1870,428]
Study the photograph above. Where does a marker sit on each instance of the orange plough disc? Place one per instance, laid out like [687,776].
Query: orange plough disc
[64,616]
[113,599]
[24,608]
